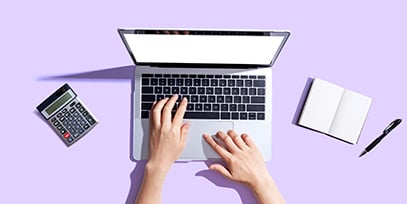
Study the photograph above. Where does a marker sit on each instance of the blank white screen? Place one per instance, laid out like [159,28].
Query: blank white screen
[216,49]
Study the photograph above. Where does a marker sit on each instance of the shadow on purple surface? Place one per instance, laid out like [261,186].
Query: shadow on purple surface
[246,196]
[302,101]
[136,177]
[122,72]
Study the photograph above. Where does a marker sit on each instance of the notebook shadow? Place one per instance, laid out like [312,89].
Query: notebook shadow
[301,102]
[246,196]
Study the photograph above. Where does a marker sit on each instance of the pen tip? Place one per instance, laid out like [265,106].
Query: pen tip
[363,153]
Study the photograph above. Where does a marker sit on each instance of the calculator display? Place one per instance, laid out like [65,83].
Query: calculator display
[58,103]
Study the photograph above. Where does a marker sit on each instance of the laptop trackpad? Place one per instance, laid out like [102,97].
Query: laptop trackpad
[197,148]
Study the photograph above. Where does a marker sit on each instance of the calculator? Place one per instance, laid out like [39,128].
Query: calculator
[67,115]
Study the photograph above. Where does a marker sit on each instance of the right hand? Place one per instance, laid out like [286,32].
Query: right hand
[244,161]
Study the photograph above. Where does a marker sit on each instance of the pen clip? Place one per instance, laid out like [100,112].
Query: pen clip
[391,126]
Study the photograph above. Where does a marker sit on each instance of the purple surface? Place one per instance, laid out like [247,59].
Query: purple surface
[360,45]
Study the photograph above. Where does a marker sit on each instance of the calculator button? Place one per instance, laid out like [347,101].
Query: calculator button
[53,119]
[70,139]
[75,114]
[67,114]
[72,104]
[72,110]
[66,135]
[86,126]
[70,118]
[90,120]
[64,111]
[85,113]
[78,105]
[81,109]
[62,118]
[59,127]
[63,131]
[56,123]
[59,115]
[76,134]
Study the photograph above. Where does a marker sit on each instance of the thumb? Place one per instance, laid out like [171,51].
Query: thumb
[221,169]
[184,131]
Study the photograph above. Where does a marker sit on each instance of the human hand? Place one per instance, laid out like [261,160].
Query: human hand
[243,159]
[245,164]
[167,136]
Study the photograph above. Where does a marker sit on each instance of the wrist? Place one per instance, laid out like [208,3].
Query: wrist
[260,183]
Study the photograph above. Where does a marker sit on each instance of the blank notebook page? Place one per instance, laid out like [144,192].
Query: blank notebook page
[320,107]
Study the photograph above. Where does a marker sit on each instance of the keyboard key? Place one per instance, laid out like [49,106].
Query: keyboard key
[255,108]
[260,116]
[218,76]
[241,107]
[261,77]
[203,99]
[175,75]
[237,99]
[214,82]
[148,98]
[194,98]
[190,106]
[207,107]
[162,82]
[145,81]
[259,83]
[243,91]
[258,99]
[197,82]
[215,107]
[146,106]
[222,82]
[232,107]
[225,115]
[175,90]
[243,116]
[239,83]
[224,107]
[211,99]
[192,90]
[209,90]
[201,76]
[261,91]
[147,75]
[227,76]
[228,99]
[252,116]
[201,90]
[252,91]
[218,91]
[201,115]
[205,82]
[248,83]
[166,90]
[158,90]
[226,91]
[220,99]
[235,76]
[146,89]
[246,99]
[252,77]
[145,114]
[235,91]
[231,82]
[184,75]
[244,76]
[188,82]
[235,116]
[184,90]
[171,82]
[154,81]
[180,82]
[167,75]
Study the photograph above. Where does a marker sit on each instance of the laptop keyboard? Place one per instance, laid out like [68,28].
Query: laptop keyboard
[217,97]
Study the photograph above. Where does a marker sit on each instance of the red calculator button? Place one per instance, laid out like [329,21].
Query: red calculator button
[67,135]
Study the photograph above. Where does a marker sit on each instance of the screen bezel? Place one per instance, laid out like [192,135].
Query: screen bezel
[122,32]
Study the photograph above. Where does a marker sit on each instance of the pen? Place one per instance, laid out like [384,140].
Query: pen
[386,131]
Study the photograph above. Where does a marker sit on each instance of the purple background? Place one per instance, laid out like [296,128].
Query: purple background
[360,45]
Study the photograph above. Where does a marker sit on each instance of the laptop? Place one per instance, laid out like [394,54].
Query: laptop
[226,76]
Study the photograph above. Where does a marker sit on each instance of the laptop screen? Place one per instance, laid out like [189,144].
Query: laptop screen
[203,47]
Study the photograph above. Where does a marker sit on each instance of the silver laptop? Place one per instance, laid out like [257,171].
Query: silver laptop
[226,76]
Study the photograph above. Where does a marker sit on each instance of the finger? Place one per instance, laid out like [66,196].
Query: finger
[248,140]
[222,152]
[184,132]
[236,139]
[166,116]
[155,113]
[221,169]
[179,115]
[230,145]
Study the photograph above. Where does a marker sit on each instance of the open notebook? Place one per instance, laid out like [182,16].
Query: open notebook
[335,111]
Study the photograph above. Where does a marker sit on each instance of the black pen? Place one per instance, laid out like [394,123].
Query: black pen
[386,131]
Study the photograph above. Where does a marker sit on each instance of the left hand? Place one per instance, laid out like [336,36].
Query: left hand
[167,136]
